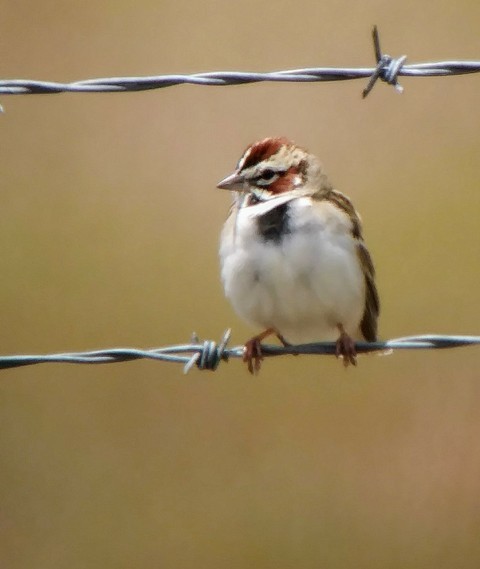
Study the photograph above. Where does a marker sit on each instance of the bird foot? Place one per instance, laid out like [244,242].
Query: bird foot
[252,351]
[345,348]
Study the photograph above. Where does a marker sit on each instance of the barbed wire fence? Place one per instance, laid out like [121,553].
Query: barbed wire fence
[207,355]
[387,69]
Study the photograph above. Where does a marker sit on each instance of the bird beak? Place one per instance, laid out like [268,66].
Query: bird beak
[232,182]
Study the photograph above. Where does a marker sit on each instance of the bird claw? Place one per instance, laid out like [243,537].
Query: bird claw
[252,351]
[345,347]
[252,355]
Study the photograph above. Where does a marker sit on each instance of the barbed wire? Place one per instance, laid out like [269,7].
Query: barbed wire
[387,69]
[208,354]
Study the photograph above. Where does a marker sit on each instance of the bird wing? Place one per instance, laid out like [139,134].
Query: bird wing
[368,324]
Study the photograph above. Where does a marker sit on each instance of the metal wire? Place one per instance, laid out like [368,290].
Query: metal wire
[388,69]
[209,354]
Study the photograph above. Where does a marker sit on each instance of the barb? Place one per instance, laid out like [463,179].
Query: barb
[388,69]
[209,354]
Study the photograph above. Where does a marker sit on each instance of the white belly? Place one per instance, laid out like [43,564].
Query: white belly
[304,285]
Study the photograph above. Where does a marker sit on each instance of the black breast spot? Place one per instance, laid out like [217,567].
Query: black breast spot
[274,225]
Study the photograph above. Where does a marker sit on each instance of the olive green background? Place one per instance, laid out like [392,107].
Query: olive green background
[108,237]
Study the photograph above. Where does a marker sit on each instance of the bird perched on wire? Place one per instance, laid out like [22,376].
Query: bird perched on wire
[293,259]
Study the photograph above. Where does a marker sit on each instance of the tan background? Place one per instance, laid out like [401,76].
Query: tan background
[108,237]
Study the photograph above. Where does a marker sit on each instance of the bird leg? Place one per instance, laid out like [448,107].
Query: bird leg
[346,348]
[282,340]
[252,352]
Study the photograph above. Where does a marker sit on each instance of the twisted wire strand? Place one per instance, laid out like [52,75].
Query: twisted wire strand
[388,69]
[317,74]
[208,354]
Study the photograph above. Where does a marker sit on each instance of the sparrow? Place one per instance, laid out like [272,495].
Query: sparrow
[292,255]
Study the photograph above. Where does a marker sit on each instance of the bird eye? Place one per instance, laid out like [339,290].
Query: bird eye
[268,174]
[266,177]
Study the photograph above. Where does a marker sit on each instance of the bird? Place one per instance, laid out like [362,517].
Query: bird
[292,255]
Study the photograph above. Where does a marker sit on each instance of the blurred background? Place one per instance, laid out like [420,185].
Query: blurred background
[109,233]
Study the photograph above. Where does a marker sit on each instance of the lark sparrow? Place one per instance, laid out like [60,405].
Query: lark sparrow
[293,260]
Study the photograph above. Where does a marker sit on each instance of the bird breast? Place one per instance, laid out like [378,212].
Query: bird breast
[294,268]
